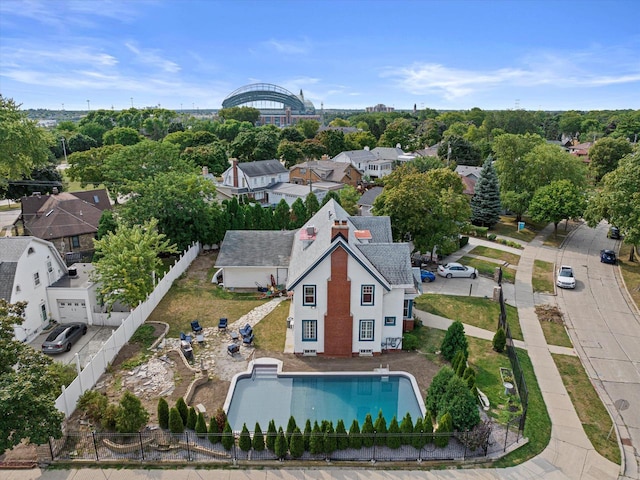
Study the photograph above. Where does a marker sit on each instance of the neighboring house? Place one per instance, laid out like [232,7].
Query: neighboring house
[68,220]
[253,179]
[325,171]
[431,151]
[290,192]
[581,150]
[388,153]
[352,287]
[365,204]
[469,171]
[28,265]
[469,184]
[367,162]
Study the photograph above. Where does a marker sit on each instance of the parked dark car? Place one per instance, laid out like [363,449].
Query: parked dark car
[63,336]
[614,232]
[608,256]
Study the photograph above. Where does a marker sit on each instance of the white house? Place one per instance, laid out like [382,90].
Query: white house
[253,179]
[370,164]
[28,265]
[352,287]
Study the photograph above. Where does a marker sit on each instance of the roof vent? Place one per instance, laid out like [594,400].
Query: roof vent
[49,213]
[73,272]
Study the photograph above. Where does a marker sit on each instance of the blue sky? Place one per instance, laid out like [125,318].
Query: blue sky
[550,55]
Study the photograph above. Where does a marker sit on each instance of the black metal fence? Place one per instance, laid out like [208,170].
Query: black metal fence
[161,446]
[518,374]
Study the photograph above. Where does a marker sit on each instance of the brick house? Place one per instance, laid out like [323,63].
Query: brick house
[325,171]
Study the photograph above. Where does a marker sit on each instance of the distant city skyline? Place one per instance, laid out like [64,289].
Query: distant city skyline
[445,55]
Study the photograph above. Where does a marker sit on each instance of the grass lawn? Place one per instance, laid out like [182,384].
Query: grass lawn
[501,255]
[508,227]
[75,186]
[542,279]
[593,415]
[630,272]
[9,205]
[430,340]
[488,268]
[270,330]
[476,311]
[556,334]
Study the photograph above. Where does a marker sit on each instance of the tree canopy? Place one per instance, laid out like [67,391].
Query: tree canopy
[557,201]
[605,154]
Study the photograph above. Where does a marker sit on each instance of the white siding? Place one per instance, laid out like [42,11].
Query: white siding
[246,278]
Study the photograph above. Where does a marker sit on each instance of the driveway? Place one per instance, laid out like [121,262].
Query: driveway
[605,329]
[86,347]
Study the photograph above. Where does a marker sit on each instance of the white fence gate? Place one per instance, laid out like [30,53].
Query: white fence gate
[88,377]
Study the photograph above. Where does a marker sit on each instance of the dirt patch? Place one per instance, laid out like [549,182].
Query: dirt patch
[549,313]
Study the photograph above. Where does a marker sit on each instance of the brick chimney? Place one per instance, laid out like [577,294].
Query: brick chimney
[235,172]
[341,228]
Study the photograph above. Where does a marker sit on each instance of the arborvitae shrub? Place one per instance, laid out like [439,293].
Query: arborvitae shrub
[445,427]
[462,366]
[419,438]
[454,340]
[355,439]
[221,418]
[406,427]
[227,437]
[342,441]
[499,340]
[244,442]
[163,413]
[214,431]
[316,442]
[428,429]
[380,427]
[281,446]
[306,436]
[258,438]
[175,421]
[291,425]
[437,388]
[367,431]
[192,418]
[296,445]
[330,440]
[131,415]
[183,409]
[394,439]
[457,358]
[201,426]
[272,433]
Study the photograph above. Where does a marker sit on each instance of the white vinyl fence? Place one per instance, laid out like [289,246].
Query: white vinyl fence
[88,377]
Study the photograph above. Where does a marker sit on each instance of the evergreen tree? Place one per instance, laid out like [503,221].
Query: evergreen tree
[457,358]
[227,437]
[462,366]
[428,429]
[296,445]
[175,421]
[485,203]
[445,428]
[419,438]
[355,438]
[163,413]
[131,415]
[183,409]
[201,426]
[281,446]
[330,440]
[380,427]
[272,433]
[298,214]
[291,426]
[367,431]
[214,431]
[406,427]
[192,418]
[306,436]
[455,340]
[258,438]
[437,388]
[281,215]
[460,404]
[394,439]
[499,340]
[245,439]
[312,205]
[316,442]
[342,441]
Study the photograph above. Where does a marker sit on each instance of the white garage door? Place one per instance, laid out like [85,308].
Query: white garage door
[72,311]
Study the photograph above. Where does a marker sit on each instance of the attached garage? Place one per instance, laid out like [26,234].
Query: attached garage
[72,311]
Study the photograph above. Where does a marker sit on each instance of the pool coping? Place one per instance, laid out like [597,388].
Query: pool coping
[274,362]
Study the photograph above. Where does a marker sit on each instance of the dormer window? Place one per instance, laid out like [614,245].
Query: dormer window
[30,251]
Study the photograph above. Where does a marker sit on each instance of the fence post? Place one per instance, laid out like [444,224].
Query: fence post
[186,435]
[95,445]
[141,446]
[51,448]
[373,457]
[235,453]
[506,435]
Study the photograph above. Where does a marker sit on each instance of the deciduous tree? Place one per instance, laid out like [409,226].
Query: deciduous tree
[557,201]
[605,154]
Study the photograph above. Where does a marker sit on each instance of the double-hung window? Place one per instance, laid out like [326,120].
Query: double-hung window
[309,330]
[36,279]
[366,330]
[309,295]
[367,293]
[389,321]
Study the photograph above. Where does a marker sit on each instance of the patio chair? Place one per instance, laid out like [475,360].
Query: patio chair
[232,348]
[222,324]
[195,327]
[246,331]
[248,340]
[185,338]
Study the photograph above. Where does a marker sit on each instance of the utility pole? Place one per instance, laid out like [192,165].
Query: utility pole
[89,105]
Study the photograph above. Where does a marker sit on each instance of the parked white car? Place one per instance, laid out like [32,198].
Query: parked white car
[565,277]
[456,270]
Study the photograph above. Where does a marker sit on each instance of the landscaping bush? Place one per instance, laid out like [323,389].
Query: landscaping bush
[406,427]
[330,440]
[341,434]
[437,388]
[201,426]
[455,340]
[192,418]
[221,418]
[499,340]
[380,427]
[418,440]
[244,442]
[480,231]
[462,366]
[492,237]
[272,433]
[445,428]
[367,431]
[108,420]
[316,440]
[460,404]
[163,413]
[394,440]
[258,438]
[183,409]
[227,437]
[93,404]
[291,426]
[214,430]
[410,342]
[470,377]
[428,429]
[355,439]
[131,415]
[457,359]
[306,436]
[175,421]
[296,445]
[281,446]
[464,240]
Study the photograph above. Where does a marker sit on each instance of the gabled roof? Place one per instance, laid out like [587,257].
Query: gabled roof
[468,170]
[262,167]
[387,153]
[63,215]
[359,155]
[392,260]
[369,196]
[99,198]
[380,227]
[327,170]
[263,248]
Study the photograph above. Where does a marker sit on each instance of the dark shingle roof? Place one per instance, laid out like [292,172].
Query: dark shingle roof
[380,227]
[260,248]
[262,167]
[369,196]
[7,275]
[392,260]
[11,249]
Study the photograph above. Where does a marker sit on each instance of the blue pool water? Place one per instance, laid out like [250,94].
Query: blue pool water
[320,397]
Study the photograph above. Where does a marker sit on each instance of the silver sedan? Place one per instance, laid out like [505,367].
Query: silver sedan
[456,270]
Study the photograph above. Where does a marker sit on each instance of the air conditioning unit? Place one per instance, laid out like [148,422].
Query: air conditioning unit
[309,353]
[366,352]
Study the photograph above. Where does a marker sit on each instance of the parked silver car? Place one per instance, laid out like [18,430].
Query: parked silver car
[456,270]
[63,336]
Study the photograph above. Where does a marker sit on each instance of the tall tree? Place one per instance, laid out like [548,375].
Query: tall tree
[308,128]
[27,390]
[127,260]
[89,167]
[121,136]
[485,203]
[241,114]
[312,205]
[23,144]
[605,154]
[333,140]
[557,201]
[213,156]
[349,197]
[619,200]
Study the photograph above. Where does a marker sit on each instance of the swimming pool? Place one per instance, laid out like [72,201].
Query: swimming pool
[264,393]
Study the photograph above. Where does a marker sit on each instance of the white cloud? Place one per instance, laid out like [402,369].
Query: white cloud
[152,58]
[302,47]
